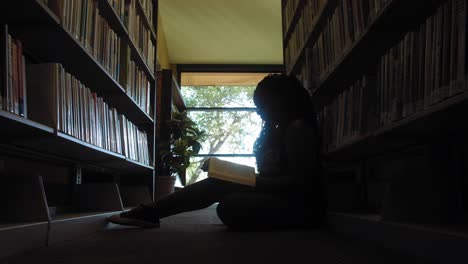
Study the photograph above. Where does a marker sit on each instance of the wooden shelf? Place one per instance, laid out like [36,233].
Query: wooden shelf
[146,20]
[141,119]
[71,150]
[109,13]
[438,120]
[138,165]
[32,135]
[28,13]
[75,58]
[177,96]
[17,127]
[295,18]
[437,243]
[81,150]
[129,166]
[28,220]
[386,30]
[88,153]
[314,33]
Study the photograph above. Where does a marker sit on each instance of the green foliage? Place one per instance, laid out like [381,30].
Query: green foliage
[185,142]
[218,96]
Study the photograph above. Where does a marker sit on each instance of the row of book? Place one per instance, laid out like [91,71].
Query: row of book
[147,6]
[59,100]
[289,9]
[137,84]
[427,66]
[12,74]
[83,20]
[311,10]
[135,142]
[119,8]
[123,8]
[352,114]
[343,26]
[140,34]
[306,73]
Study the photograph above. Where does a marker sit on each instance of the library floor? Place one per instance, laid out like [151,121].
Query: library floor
[199,237]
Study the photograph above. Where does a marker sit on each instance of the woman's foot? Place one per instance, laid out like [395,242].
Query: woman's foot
[141,216]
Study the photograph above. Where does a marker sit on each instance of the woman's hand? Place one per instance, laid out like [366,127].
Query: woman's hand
[204,167]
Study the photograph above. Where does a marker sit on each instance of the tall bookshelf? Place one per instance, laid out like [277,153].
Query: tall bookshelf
[169,100]
[388,79]
[77,115]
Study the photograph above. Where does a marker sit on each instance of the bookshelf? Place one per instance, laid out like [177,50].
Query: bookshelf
[382,32]
[317,23]
[82,140]
[169,100]
[388,80]
[178,100]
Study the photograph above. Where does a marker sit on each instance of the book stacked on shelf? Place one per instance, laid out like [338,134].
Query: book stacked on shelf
[307,73]
[351,115]
[346,23]
[344,26]
[374,8]
[135,81]
[427,66]
[138,87]
[147,6]
[119,7]
[135,143]
[302,28]
[61,101]
[12,78]
[288,13]
[139,33]
[83,20]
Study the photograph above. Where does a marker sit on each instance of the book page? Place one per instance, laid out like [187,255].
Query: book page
[230,171]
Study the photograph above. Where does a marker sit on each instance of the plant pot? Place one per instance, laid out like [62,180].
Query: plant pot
[164,186]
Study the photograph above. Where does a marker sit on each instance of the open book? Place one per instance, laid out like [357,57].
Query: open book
[230,171]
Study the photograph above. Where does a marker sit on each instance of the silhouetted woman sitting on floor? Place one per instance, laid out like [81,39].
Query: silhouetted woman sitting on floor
[288,191]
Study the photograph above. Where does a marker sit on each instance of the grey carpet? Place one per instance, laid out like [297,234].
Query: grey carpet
[199,237]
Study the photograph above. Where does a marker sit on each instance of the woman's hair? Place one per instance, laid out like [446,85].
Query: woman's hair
[295,99]
[289,91]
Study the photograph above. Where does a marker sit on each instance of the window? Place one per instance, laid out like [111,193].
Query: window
[222,104]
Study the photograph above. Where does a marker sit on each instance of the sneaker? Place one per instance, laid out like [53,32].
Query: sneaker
[141,216]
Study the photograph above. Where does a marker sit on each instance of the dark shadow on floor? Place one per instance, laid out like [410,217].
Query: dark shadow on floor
[199,237]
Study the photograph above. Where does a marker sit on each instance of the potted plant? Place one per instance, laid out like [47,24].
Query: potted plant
[174,154]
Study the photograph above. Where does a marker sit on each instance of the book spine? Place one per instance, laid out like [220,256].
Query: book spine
[462,20]
[3,66]
[11,75]
[25,96]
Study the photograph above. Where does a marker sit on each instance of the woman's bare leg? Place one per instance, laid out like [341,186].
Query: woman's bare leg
[197,196]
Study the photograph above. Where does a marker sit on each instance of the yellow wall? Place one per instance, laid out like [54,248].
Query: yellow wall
[163,54]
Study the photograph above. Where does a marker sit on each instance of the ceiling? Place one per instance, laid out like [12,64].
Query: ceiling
[222,31]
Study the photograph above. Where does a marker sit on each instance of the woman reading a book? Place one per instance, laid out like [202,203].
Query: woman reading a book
[286,192]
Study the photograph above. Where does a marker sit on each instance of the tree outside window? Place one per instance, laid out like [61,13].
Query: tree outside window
[228,115]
